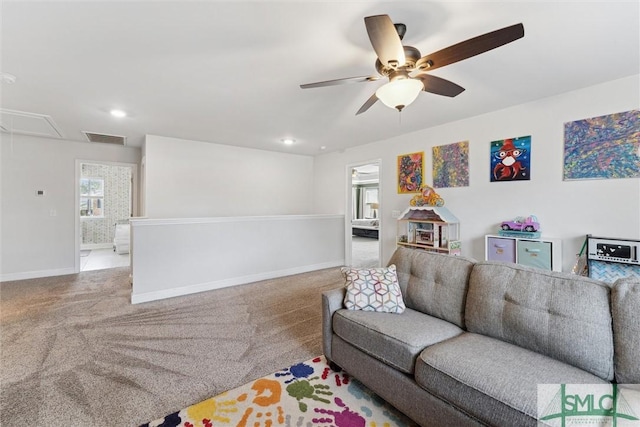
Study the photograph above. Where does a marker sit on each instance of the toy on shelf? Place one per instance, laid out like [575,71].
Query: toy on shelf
[430,228]
[427,197]
[521,227]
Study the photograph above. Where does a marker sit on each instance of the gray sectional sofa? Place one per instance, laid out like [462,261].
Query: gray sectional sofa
[478,337]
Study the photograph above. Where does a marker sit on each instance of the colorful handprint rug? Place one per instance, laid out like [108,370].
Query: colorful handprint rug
[303,395]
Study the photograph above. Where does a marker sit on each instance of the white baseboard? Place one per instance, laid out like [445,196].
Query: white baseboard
[36,274]
[208,286]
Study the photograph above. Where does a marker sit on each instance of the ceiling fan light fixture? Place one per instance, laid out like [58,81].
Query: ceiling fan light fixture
[399,93]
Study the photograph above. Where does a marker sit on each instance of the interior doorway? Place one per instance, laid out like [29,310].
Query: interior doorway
[364,207]
[106,198]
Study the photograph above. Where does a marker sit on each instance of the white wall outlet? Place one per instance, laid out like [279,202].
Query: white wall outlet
[395,214]
[53,212]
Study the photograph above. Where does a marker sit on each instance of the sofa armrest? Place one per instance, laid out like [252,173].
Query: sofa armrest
[331,302]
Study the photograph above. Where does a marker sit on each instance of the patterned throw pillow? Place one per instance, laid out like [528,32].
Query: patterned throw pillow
[373,289]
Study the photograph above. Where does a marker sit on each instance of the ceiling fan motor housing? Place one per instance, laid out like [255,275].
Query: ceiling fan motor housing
[401,29]
[411,54]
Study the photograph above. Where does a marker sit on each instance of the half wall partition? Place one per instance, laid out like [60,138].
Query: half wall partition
[172,257]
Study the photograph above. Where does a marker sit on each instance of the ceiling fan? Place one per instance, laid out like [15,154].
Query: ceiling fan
[407,71]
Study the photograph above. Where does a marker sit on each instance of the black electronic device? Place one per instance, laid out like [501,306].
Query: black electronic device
[613,250]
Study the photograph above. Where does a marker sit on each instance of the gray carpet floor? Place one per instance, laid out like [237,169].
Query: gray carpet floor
[75,352]
[364,252]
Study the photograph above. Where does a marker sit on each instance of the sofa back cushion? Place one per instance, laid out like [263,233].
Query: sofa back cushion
[433,283]
[625,308]
[562,316]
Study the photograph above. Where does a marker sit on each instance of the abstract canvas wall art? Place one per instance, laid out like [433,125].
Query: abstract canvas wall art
[603,147]
[451,165]
[410,169]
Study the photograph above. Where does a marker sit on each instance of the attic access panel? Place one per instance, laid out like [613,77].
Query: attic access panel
[24,123]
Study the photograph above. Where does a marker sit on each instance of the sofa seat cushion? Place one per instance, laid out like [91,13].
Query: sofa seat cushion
[395,339]
[491,379]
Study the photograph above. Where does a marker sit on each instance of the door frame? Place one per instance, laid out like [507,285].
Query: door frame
[76,208]
[349,209]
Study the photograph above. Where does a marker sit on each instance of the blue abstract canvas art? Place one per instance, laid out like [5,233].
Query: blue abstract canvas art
[603,147]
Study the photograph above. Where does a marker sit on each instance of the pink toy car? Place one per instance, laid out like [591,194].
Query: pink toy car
[529,224]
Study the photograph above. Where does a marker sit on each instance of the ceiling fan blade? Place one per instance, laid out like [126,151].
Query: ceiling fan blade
[439,86]
[471,47]
[372,100]
[341,81]
[385,40]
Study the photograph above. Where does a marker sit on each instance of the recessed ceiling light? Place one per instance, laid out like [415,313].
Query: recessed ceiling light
[323,147]
[118,113]
[288,141]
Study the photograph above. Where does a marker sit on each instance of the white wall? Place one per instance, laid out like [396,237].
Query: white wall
[567,209]
[187,179]
[38,233]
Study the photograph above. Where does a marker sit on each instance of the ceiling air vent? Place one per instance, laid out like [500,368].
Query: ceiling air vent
[104,138]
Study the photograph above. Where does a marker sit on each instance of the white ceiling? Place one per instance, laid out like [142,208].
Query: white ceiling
[229,71]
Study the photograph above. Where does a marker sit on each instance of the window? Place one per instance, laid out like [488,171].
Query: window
[371,195]
[92,197]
